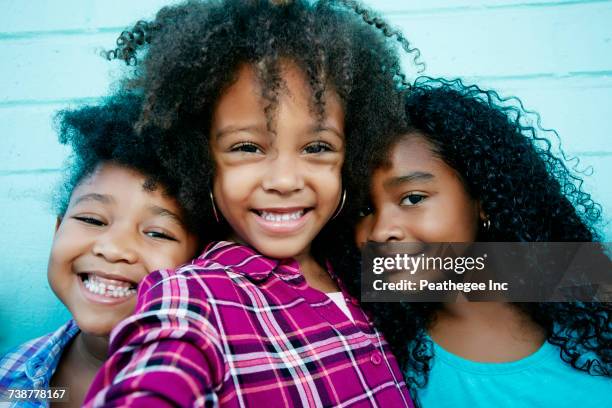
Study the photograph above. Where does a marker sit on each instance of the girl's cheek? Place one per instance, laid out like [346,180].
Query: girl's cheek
[238,176]
[362,230]
[330,165]
[422,224]
[444,225]
[326,174]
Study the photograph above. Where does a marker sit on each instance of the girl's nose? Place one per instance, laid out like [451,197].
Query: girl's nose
[387,227]
[115,246]
[283,175]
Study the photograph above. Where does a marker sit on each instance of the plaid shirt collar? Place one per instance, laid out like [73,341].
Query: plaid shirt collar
[32,364]
[246,261]
[43,362]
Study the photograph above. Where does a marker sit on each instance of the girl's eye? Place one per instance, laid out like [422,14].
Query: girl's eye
[412,199]
[90,221]
[318,147]
[365,211]
[245,147]
[160,235]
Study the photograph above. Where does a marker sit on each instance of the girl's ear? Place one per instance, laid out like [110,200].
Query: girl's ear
[58,221]
[482,215]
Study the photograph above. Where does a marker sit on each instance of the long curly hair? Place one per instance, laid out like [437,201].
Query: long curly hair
[190,54]
[527,190]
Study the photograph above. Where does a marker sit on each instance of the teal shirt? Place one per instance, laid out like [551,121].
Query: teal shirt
[539,380]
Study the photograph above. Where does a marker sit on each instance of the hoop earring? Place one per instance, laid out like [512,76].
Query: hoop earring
[486,224]
[214,207]
[339,210]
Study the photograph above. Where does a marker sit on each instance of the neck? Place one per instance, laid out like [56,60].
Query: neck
[92,349]
[499,316]
[317,276]
[486,331]
[465,310]
[79,365]
[308,265]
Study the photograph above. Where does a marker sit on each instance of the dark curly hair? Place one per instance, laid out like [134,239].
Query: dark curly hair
[529,194]
[190,54]
[104,133]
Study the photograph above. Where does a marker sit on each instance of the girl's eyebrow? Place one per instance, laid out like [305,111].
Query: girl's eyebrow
[322,128]
[164,212]
[410,177]
[103,198]
[232,129]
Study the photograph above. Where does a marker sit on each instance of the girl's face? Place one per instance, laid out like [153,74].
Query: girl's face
[418,198]
[113,234]
[277,190]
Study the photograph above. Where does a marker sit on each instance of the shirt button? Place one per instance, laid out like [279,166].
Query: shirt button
[376,357]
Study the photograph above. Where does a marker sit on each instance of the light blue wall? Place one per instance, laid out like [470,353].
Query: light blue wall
[556,55]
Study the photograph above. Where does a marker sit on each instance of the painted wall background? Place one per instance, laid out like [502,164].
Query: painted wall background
[555,55]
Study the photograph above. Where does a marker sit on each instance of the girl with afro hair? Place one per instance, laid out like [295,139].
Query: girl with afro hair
[265,105]
[468,168]
[119,217]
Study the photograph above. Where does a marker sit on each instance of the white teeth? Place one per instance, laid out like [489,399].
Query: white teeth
[100,288]
[284,217]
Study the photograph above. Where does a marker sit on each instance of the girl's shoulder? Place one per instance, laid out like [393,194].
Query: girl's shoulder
[233,258]
[213,274]
[36,358]
[540,379]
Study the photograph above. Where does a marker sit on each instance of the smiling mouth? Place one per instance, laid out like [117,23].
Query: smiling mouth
[107,287]
[282,215]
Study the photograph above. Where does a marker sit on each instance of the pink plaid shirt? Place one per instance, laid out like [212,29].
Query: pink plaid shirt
[234,328]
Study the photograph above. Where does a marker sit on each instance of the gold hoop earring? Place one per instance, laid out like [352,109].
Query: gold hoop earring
[339,210]
[214,207]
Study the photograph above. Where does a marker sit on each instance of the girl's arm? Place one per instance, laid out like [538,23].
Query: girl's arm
[167,353]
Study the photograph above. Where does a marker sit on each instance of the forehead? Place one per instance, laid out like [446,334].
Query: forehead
[413,153]
[243,103]
[410,153]
[120,183]
[109,175]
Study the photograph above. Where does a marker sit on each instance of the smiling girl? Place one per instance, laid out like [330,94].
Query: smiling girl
[118,220]
[467,169]
[277,190]
[278,96]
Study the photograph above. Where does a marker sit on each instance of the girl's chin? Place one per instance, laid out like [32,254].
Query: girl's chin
[96,330]
[97,325]
[283,249]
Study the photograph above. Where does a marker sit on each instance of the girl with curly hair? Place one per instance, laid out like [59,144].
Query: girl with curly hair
[265,105]
[469,169]
[120,216]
